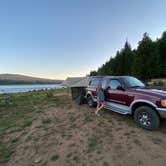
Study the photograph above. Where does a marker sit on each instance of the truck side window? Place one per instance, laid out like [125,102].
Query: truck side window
[114,84]
[94,83]
[104,84]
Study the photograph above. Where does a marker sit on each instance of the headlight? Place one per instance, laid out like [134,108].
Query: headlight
[163,103]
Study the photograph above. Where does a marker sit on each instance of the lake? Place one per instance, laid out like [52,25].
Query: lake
[26,88]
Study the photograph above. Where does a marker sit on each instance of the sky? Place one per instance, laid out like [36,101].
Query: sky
[60,38]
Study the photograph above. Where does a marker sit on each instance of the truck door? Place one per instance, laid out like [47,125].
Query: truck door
[114,95]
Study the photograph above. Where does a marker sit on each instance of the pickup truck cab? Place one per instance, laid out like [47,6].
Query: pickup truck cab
[128,95]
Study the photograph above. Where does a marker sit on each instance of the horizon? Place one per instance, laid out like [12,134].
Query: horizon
[56,40]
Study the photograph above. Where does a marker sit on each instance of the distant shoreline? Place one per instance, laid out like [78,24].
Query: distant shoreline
[31,84]
[5,89]
[15,82]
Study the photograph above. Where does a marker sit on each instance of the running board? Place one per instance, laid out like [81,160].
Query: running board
[119,108]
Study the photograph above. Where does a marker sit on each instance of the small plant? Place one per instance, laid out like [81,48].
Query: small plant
[28,138]
[55,157]
[26,124]
[92,143]
[50,93]
[5,153]
[15,140]
[105,163]
[88,118]
[160,83]
[156,140]
[46,121]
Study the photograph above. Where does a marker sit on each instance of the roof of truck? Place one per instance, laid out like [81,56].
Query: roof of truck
[108,76]
[83,81]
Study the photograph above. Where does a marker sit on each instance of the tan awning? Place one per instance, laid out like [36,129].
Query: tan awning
[76,82]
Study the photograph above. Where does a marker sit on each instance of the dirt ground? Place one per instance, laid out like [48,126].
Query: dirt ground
[71,135]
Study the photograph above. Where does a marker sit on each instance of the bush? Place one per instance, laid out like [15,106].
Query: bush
[160,83]
[50,94]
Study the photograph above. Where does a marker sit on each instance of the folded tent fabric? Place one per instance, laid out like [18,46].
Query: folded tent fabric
[82,83]
[76,82]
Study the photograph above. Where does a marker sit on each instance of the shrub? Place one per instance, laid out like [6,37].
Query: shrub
[46,121]
[50,93]
[55,157]
[160,83]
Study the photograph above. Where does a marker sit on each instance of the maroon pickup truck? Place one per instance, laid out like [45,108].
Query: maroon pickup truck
[128,95]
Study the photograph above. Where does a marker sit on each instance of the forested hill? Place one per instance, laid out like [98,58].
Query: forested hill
[146,62]
[8,79]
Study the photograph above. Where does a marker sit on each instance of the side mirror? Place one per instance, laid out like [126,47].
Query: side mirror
[120,88]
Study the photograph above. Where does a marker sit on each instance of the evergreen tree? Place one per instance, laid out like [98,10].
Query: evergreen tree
[123,61]
[127,59]
[161,48]
[93,73]
[146,62]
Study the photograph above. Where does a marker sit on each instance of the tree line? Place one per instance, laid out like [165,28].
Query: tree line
[147,61]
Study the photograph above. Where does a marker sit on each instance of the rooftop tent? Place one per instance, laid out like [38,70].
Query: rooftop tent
[81,83]
[70,81]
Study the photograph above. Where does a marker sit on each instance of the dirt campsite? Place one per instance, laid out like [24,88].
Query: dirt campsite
[47,128]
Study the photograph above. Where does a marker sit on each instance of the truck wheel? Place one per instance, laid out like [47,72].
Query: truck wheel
[146,118]
[90,102]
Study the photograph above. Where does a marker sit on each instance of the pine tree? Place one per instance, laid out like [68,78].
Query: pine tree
[161,48]
[146,63]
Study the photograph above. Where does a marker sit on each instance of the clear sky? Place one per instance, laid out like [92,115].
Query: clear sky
[60,38]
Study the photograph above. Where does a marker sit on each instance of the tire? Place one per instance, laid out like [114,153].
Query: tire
[147,118]
[90,102]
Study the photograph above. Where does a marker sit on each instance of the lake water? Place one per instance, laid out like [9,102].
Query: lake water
[26,88]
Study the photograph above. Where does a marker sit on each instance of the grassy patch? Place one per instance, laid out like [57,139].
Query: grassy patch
[156,140]
[88,118]
[27,123]
[92,143]
[18,112]
[5,153]
[46,121]
[105,163]
[50,93]
[55,157]
[15,140]
[29,138]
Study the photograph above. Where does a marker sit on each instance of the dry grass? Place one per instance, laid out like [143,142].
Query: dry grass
[41,129]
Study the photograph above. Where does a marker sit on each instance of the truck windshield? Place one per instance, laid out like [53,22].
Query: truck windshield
[132,82]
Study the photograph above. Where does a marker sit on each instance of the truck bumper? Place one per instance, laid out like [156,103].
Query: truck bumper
[162,112]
